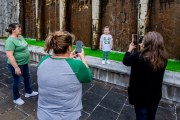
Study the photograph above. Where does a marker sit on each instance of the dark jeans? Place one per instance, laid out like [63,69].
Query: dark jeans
[16,79]
[146,113]
[105,55]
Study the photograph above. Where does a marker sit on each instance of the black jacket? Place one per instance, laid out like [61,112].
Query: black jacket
[145,86]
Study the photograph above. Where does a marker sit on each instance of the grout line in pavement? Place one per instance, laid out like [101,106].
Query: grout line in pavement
[175,112]
[17,107]
[122,108]
[108,109]
[100,101]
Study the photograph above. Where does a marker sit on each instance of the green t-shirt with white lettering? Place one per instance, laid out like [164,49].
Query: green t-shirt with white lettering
[20,49]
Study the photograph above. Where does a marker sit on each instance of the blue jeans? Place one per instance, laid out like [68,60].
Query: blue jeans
[105,55]
[146,113]
[16,79]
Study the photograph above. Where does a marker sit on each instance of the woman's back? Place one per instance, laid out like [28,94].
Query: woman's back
[145,84]
[60,88]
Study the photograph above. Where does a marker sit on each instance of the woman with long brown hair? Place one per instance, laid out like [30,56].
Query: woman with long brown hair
[146,78]
[60,79]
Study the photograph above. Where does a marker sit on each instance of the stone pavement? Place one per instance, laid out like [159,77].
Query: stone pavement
[101,101]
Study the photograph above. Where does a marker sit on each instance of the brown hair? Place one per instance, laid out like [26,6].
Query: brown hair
[106,27]
[59,42]
[12,27]
[154,51]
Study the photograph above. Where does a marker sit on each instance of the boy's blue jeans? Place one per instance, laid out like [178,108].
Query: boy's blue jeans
[105,55]
[16,79]
[145,113]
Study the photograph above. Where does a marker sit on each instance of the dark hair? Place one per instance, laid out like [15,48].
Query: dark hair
[154,51]
[12,27]
[59,42]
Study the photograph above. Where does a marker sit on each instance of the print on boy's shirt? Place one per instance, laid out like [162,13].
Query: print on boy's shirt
[107,40]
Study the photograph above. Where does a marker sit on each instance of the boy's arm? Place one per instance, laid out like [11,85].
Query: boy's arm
[111,43]
[100,45]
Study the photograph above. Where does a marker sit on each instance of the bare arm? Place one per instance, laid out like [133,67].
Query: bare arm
[12,60]
[82,57]
[100,45]
[111,43]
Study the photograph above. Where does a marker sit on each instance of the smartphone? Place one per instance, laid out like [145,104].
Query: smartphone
[135,39]
[79,45]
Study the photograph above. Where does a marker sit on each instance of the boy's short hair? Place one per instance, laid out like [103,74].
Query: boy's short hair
[106,27]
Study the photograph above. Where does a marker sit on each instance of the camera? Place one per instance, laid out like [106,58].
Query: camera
[135,39]
[79,45]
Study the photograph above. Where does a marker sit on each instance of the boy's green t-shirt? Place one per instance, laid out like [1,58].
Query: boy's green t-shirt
[20,49]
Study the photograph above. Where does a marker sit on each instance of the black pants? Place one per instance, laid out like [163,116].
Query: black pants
[146,113]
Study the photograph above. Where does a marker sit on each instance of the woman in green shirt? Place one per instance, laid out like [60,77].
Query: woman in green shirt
[18,58]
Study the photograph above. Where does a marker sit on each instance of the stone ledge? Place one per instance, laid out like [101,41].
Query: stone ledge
[116,73]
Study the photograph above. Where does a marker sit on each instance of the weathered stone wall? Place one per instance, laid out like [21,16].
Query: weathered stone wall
[125,17]
[79,19]
[29,11]
[51,16]
[121,16]
[166,20]
[9,12]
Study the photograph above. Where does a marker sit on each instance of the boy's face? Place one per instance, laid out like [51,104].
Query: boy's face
[106,31]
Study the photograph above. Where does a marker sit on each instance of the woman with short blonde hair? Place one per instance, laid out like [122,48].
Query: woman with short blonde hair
[60,79]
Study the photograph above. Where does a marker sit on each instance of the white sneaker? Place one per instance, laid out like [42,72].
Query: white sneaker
[108,62]
[103,62]
[32,94]
[19,101]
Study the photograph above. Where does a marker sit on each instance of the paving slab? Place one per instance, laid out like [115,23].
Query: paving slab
[101,100]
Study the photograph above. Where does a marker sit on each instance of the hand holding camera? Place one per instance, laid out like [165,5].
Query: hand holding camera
[80,52]
[134,43]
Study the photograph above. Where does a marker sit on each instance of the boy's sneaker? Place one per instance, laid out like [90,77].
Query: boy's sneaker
[108,62]
[103,62]
[19,101]
[32,94]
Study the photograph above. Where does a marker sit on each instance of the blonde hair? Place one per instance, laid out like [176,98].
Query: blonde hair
[154,51]
[59,42]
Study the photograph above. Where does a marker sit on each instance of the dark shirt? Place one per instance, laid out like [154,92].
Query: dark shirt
[145,86]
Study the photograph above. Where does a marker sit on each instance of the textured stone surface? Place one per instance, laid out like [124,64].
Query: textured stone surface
[122,17]
[38,20]
[101,101]
[9,12]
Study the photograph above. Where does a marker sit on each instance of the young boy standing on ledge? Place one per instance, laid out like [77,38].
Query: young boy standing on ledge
[106,43]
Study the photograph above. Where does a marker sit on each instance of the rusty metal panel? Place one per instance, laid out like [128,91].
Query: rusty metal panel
[51,16]
[30,18]
[121,16]
[165,19]
[80,19]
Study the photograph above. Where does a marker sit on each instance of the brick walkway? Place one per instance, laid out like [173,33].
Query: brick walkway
[101,101]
